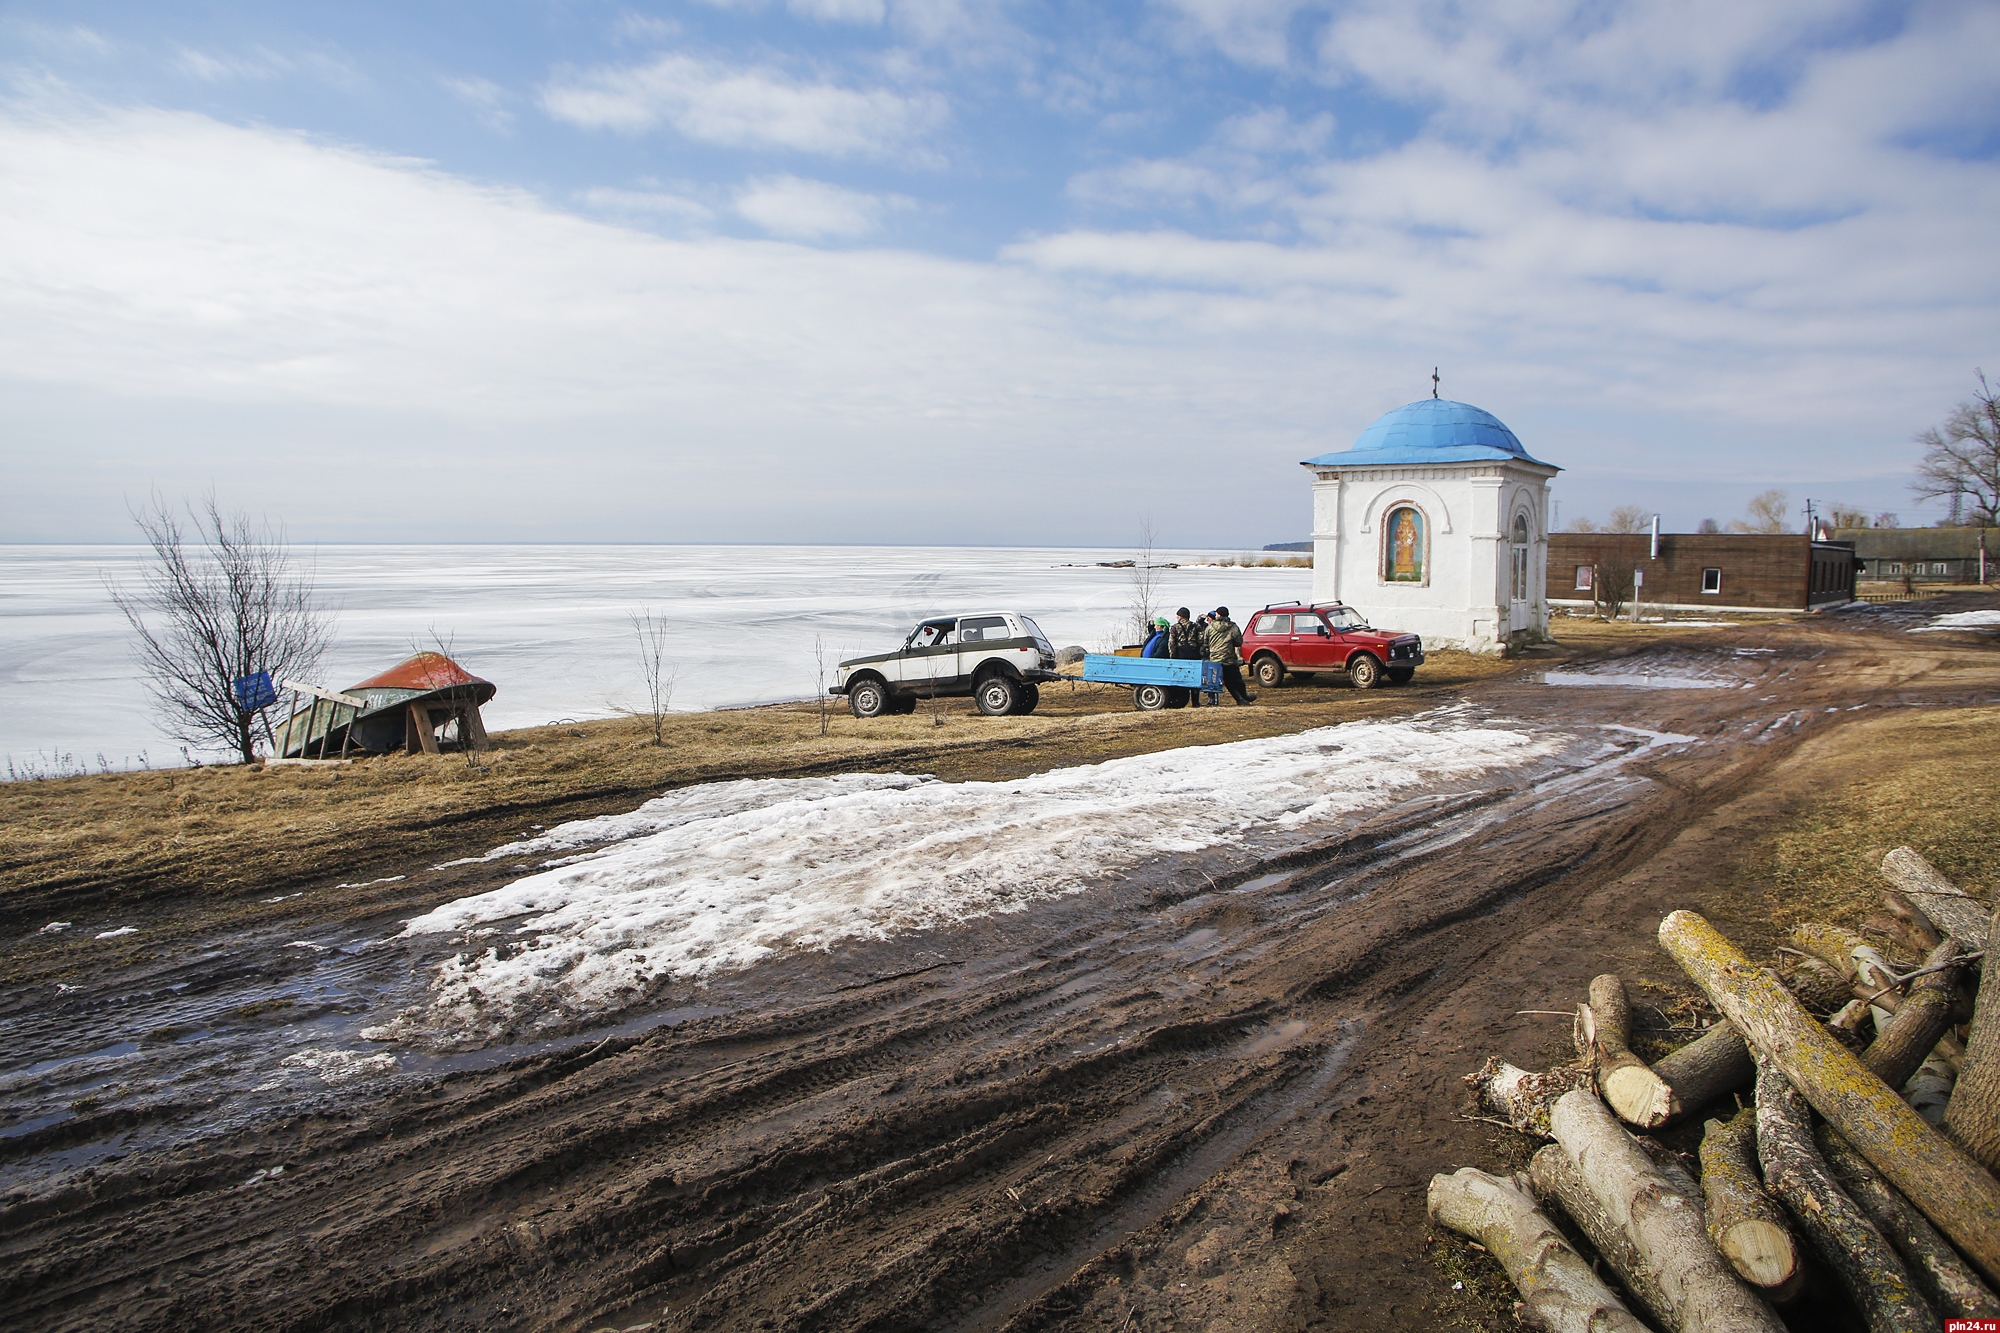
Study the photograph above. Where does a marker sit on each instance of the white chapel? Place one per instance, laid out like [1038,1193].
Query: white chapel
[1435,522]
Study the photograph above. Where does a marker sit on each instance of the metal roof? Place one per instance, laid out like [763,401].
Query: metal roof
[1430,430]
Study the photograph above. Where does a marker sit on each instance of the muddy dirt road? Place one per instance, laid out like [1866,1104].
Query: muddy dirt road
[1202,1092]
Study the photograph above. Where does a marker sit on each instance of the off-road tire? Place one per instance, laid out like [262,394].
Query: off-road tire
[996,696]
[1149,698]
[1269,671]
[1401,675]
[1030,698]
[869,698]
[1365,671]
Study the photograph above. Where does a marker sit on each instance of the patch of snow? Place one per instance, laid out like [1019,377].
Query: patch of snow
[114,934]
[1959,620]
[340,1066]
[1646,681]
[308,944]
[55,928]
[717,878]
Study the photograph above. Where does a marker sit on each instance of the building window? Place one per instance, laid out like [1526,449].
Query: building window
[1896,568]
[1583,573]
[1711,580]
[1405,545]
[1937,568]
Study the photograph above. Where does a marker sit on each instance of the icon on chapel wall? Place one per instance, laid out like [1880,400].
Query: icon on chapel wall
[1406,546]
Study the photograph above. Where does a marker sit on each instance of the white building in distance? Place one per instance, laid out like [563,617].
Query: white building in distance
[1435,522]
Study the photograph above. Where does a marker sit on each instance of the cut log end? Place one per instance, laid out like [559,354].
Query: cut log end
[1761,1251]
[1640,1096]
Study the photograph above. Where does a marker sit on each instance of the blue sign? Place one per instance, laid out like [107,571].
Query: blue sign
[255,692]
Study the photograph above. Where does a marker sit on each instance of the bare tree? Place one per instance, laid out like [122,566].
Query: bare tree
[222,600]
[1582,523]
[1612,591]
[819,660]
[1961,463]
[1765,513]
[1888,519]
[1708,526]
[659,674]
[1629,518]
[1845,516]
[1146,581]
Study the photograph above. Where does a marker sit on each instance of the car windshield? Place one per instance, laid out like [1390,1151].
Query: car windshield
[1345,618]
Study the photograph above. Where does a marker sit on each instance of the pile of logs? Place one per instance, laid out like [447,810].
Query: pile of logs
[1829,1159]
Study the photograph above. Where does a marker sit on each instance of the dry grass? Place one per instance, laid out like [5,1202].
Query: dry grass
[1930,781]
[238,831]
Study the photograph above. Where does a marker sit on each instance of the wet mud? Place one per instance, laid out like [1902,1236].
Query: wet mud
[1204,1094]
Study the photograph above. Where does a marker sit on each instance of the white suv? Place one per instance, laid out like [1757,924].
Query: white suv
[996,657]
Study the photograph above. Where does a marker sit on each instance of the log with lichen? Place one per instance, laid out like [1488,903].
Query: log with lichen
[1697,1288]
[1972,1117]
[1629,1085]
[1905,1041]
[1950,908]
[1746,1223]
[1947,1281]
[1846,1241]
[1559,1290]
[1951,1189]
[1716,1063]
[1521,1096]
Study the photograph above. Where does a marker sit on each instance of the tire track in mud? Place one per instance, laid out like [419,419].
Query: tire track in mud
[960,1145]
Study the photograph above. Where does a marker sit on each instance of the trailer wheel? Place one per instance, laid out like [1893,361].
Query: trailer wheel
[996,696]
[1364,671]
[1270,672]
[1149,698]
[867,698]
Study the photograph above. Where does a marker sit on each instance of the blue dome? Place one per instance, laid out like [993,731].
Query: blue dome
[1430,430]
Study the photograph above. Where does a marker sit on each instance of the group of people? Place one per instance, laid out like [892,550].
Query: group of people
[1212,637]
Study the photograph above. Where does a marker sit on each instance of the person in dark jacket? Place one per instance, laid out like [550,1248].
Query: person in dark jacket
[1186,642]
[1225,645]
[1156,639]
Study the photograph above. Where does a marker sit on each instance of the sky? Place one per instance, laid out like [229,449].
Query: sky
[933,271]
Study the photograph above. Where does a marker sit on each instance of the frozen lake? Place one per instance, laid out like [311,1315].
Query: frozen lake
[550,625]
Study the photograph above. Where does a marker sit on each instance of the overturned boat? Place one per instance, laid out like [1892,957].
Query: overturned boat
[403,708]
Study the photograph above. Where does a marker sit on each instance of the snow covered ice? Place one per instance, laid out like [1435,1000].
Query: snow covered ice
[717,877]
[1961,620]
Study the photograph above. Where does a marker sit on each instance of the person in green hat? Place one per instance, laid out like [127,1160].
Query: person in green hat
[1156,638]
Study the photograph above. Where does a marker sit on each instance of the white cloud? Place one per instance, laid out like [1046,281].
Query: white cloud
[1253,32]
[488,100]
[213,68]
[656,203]
[744,107]
[809,210]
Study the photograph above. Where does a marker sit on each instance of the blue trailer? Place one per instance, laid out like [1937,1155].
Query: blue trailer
[1157,682]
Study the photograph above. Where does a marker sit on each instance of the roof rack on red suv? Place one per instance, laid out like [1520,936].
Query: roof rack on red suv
[1306,639]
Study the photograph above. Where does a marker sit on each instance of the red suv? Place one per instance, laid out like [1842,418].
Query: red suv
[1306,640]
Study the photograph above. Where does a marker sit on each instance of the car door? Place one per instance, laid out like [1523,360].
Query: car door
[1315,647]
[929,660]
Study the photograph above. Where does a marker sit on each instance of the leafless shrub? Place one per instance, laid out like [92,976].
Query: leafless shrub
[223,599]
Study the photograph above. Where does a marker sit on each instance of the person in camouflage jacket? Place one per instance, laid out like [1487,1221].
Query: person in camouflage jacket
[1225,645]
[1187,641]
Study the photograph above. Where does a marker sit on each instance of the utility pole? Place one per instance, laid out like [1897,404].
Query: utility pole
[1812,528]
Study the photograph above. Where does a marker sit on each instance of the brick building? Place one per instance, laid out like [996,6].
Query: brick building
[1700,571]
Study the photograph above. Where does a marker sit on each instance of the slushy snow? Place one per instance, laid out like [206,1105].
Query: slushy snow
[1960,620]
[718,877]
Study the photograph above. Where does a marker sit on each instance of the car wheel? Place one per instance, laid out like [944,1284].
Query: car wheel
[1364,671]
[1270,672]
[996,696]
[869,698]
[1030,698]
[1401,675]
[1149,698]
[1177,697]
